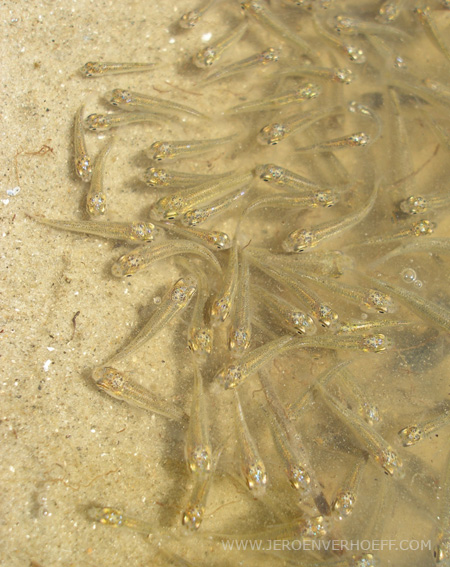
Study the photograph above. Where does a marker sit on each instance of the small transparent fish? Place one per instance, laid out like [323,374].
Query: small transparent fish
[240,332]
[276,132]
[290,317]
[434,94]
[358,326]
[103,122]
[307,91]
[367,299]
[212,239]
[353,52]
[252,465]
[442,548]
[174,149]
[290,447]
[366,409]
[355,140]
[200,334]
[129,100]
[102,68]
[131,231]
[401,160]
[425,309]
[174,302]
[83,163]
[342,75]
[159,177]
[120,386]
[335,173]
[356,107]
[324,262]
[438,88]
[372,441]
[390,10]
[441,551]
[198,445]
[259,10]
[362,560]
[96,196]
[223,302]
[426,17]
[270,55]
[310,4]
[292,455]
[332,263]
[116,518]
[416,205]
[324,198]
[212,53]
[192,217]
[325,314]
[175,204]
[391,59]
[303,239]
[277,407]
[355,26]
[143,256]
[346,498]
[234,374]
[194,511]
[374,343]
[305,401]
[191,19]
[416,432]
[422,228]
[277,175]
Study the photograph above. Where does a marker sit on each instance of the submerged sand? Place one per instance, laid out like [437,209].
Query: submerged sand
[65,445]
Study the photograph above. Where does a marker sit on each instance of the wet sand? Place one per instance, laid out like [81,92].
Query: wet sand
[65,445]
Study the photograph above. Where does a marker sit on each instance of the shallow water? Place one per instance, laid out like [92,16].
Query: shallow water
[67,446]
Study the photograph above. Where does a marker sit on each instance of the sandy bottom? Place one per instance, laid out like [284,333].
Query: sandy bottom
[66,446]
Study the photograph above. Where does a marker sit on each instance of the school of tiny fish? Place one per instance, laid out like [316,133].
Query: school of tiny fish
[299,291]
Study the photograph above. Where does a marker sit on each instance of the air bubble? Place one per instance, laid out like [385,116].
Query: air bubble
[408,275]
[418,284]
